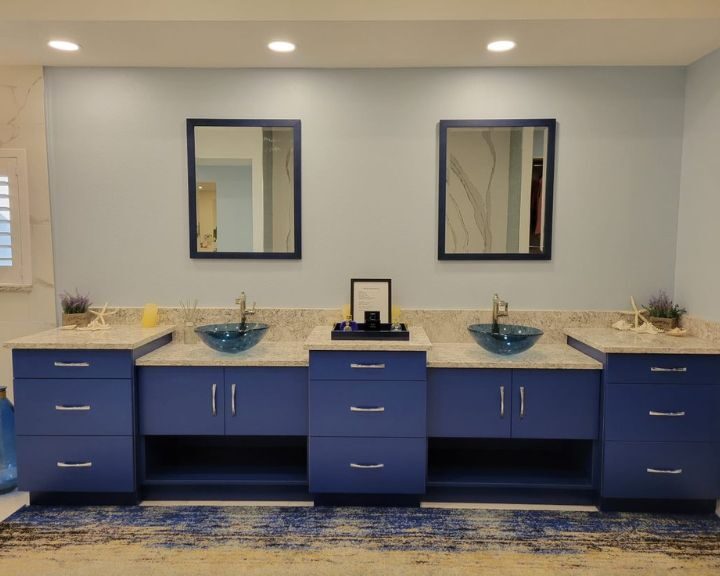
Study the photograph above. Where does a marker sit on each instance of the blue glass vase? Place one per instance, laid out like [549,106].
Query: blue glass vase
[8,459]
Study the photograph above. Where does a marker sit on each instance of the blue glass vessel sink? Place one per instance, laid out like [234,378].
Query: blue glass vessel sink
[231,338]
[508,339]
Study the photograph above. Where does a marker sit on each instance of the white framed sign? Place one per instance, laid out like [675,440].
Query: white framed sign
[368,294]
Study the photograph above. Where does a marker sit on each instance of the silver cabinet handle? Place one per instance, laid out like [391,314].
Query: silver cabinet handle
[661,471]
[367,466]
[214,399]
[72,364]
[72,408]
[653,413]
[74,464]
[361,365]
[502,401]
[657,369]
[522,401]
[367,409]
[233,393]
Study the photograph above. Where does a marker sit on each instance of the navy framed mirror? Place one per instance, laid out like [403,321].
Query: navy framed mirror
[496,189]
[244,188]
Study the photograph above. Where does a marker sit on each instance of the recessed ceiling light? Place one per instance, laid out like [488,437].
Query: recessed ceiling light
[64,45]
[281,46]
[501,46]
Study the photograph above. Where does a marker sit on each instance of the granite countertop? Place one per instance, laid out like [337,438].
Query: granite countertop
[611,341]
[540,356]
[119,337]
[263,354]
[319,339]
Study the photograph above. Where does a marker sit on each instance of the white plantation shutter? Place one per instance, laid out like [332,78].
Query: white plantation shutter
[14,220]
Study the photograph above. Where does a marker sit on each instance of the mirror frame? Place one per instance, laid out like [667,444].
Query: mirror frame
[191,124]
[550,124]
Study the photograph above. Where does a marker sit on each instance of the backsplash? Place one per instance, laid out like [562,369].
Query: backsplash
[292,324]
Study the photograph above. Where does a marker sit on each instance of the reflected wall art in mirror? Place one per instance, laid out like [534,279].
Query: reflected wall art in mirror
[496,189]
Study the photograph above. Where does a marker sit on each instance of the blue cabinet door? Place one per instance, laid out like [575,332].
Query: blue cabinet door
[364,365]
[662,412]
[556,404]
[368,408]
[266,401]
[181,401]
[367,465]
[83,407]
[72,364]
[469,403]
[663,368]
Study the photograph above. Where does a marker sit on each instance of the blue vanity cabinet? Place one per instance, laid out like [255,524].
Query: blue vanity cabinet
[216,401]
[75,420]
[661,433]
[367,422]
[181,401]
[517,403]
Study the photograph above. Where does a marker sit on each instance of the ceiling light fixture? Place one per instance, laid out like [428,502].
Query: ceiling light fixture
[281,46]
[501,46]
[64,45]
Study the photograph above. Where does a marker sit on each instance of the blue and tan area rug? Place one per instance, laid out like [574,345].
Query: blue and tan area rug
[158,541]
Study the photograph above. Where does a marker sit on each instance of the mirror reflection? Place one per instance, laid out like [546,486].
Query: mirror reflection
[496,189]
[244,188]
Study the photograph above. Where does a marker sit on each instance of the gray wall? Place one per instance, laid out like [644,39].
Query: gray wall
[698,268]
[369,159]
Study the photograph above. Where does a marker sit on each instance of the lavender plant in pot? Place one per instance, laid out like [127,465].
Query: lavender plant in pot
[662,312]
[75,309]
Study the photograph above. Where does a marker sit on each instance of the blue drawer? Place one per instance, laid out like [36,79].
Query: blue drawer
[469,403]
[556,404]
[74,407]
[181,401]
[367,465]
[75,464]
[367,408]
[662,412]
[663,368]
[661,470]
[266,401]
[326,365]
[72,364]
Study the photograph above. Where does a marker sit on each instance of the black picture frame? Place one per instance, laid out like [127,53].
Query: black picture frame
[357,283]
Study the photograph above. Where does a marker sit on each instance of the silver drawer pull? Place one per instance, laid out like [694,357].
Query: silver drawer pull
[233,393]
[367,466]
[71,408]
[657,369]
[502,401]
[660,471]
[74,464]
[367,409]
[653,413]
[213,391]
[522,401]
[359,365]
[72,364]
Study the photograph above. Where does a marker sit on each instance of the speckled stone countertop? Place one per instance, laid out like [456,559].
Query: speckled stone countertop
[319,339]
[541,356]
[263,354]
[119,337]
[611,341]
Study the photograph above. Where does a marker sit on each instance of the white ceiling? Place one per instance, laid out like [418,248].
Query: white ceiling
[359,33]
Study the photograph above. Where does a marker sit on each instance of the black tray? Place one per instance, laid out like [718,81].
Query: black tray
[359,333]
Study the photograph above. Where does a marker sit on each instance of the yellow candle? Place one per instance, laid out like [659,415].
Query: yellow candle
[150,316]
[346,312]
[395,314]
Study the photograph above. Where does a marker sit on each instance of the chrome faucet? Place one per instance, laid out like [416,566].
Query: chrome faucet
[244,312]
[500,308]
